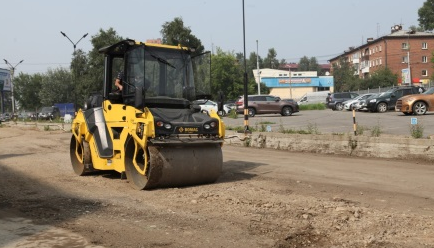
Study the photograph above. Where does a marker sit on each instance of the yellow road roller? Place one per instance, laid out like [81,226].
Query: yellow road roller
[151,131]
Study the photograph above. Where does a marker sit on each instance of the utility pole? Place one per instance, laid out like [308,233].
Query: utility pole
[257,66]
[290,81]
[12,82]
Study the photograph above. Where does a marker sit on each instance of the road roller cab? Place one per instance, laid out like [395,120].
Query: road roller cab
[150,131]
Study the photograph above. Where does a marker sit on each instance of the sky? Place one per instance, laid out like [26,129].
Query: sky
[30,30]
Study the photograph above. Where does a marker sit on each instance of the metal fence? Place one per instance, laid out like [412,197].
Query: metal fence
[384,89]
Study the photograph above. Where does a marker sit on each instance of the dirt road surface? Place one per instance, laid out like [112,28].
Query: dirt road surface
[264,198]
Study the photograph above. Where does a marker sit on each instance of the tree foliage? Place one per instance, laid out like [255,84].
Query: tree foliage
[426,15]
[56,87]
[344,78]
[271,60]
[26,90]
[175,33]
[227,74]
[382,77]
[309,64]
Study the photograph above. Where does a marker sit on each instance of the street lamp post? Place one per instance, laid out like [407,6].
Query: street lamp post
[257,65]
[12,82]
[74,44]
[73,70]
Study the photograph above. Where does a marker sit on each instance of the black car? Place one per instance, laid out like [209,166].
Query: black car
[49,113]
[387,100]
[335,101]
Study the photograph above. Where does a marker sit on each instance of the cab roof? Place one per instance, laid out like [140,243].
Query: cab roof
[121,47]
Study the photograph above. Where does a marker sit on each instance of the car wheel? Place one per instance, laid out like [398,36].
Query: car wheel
[382,107]
[252,112]
[286,111]
[339,106]
[221,113]
[419,108]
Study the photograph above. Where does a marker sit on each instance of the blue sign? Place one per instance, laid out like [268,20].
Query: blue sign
[413,121]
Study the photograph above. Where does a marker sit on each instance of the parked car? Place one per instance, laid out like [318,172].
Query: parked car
[5,117]
[228,107]
[361,105]
[266,104]
[387,100]
[208,105]
[335,101]
[417,104]
[49,113]
[349,104]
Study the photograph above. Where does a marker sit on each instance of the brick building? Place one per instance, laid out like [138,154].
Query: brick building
[399,51]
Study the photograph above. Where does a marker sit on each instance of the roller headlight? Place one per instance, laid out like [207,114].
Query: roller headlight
[163,125]
[373,100]
[210,125]
[411,99]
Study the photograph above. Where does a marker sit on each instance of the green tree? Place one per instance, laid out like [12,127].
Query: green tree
[271,61]
[344,78]
[309,64]
[426,15]
[382,77]
[79,72]
[55,87]
[26,90]
[416,28]
[175,33]
[227,74]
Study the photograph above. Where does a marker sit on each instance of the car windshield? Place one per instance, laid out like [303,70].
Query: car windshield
[429,91]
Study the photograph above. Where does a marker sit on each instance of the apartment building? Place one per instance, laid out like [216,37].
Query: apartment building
[405,52]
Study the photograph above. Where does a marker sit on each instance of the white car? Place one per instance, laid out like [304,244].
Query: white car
[348,105]
[208,105]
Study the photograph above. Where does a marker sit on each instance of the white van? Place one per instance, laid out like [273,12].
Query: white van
[313,97]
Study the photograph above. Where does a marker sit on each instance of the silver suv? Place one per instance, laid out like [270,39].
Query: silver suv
[266,104]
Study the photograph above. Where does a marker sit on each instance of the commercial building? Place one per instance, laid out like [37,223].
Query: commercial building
[293,84]
[407,53]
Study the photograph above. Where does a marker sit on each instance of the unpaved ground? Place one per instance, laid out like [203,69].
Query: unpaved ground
[264,198]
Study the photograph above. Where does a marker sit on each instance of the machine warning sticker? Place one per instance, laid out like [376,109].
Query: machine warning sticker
[188,130]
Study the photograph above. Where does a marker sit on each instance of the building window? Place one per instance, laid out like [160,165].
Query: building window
[404,59]
[424,45]
[424,73]
[380,61]
[424,59]
[380,48]
[404,45]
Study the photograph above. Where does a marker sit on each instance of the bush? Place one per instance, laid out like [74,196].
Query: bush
[416,131]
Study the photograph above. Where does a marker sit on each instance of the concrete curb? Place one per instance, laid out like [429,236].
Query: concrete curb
[358,146]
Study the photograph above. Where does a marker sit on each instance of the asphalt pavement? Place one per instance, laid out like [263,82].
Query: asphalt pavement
[337,122]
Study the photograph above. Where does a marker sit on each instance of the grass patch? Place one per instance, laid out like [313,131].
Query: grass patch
[361,129]
[311,129]
[313,106]
[376,130]
[232,114]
